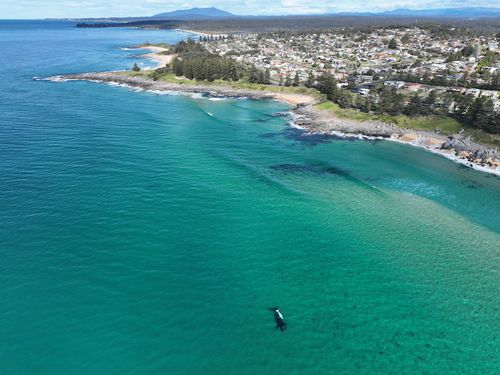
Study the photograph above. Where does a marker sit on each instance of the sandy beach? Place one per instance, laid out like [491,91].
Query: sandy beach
[199,33]
[157,55]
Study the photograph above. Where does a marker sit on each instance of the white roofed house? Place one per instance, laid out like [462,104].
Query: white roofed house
[473,92]
[489,94]
[396,84]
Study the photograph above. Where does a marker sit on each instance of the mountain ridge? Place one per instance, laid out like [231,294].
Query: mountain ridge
[466,12]
[195,13]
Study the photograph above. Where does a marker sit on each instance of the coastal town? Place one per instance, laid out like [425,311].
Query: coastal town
[409,59]
[250,187]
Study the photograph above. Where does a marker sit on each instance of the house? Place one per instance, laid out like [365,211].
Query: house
[412,86]
[396,84]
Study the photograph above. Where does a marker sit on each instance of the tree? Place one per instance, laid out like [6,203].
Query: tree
[482,115]
[468,51]
[254,75]
[344,98]
[296,79]
[495,81]
[328,86]
[414,107]
[288,80]
[267,77]
[463,103]
[310,79]
[233,74]
[430,101]
[261,78]
[136,68]
[390,101]
[393,44]
[367,105]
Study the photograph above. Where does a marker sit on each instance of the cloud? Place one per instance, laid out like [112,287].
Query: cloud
[108,8]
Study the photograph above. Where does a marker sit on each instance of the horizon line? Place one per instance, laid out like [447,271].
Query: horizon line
[312,14]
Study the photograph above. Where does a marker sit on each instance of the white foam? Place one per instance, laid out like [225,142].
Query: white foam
[436,151]
[53,79]
[291,123]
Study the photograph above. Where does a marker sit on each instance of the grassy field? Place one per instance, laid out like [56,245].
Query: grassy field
[241,84]
[161,45]
[446,125]
[484,138]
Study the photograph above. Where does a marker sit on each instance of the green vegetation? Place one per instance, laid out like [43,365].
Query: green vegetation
[387,104]
[242,84]
[483,137]
[478,113]
[393,44]
[162,45]
[193,61]
[194,64]
[468,81]
[446,125]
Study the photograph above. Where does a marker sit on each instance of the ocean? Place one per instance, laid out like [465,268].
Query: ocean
[150,234]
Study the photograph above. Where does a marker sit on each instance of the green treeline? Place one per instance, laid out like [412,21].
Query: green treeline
[474,112]
[207,68]
[468,81]
[193,61]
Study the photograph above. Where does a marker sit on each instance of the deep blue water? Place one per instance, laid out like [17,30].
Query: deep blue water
[140,234]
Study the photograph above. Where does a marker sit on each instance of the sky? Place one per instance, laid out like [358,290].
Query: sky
[28,9]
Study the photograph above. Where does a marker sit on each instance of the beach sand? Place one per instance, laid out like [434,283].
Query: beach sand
[156,55]
[294,99]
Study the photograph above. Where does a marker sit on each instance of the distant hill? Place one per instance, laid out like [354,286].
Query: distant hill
[436,13]
[195,14]
[216,20]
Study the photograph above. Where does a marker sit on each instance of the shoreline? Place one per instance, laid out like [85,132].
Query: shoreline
[156,55]
[200,33]
[457,148]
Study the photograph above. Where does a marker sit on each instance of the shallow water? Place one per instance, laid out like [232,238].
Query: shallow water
[145,233]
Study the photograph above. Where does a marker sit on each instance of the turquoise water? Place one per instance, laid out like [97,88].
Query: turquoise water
[140,234]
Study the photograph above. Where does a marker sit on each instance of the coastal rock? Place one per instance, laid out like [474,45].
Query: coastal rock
[146,83]
[320,121]
[464,144]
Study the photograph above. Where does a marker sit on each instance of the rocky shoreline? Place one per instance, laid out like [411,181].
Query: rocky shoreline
[459,148]
[145,83]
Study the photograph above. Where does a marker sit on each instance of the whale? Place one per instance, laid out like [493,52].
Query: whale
[278,317]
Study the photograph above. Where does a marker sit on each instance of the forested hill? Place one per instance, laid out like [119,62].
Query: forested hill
[194,14]
[296,23]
